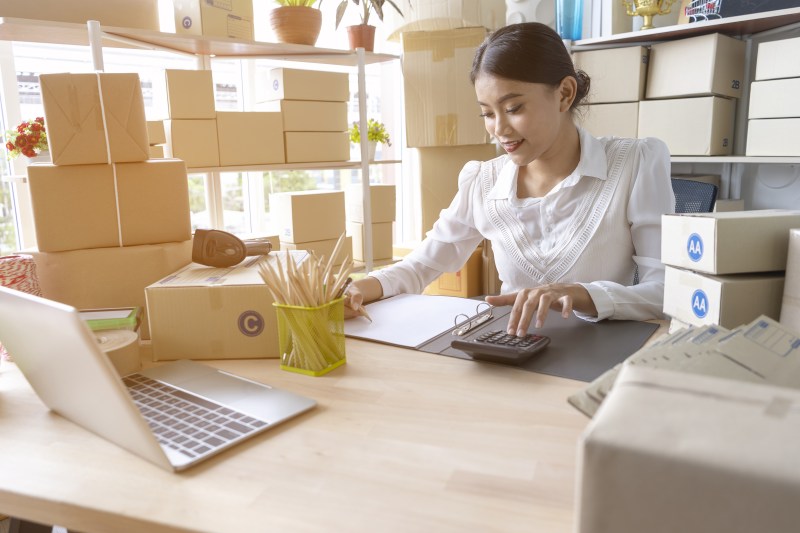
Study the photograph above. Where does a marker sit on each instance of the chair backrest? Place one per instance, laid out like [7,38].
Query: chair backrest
[693,196]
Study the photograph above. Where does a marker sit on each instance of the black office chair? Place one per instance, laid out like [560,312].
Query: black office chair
[693,196]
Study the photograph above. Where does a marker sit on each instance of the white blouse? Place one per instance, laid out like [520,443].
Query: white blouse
[597,227]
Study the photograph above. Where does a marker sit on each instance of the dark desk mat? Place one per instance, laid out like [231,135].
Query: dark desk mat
[578,349]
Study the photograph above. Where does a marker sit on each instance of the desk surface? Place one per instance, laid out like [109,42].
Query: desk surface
[401,441]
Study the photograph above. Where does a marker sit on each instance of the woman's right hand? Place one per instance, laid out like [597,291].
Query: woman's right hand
[353,301]
[360,293]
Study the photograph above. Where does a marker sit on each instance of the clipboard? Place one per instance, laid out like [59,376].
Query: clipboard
[579,349]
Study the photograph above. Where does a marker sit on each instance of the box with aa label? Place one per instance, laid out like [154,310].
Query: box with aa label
[727,300]
[249,138]
[306,216]
[383,201]
[710,64]
[611,120]
[97,206]
[778,59]
[202,312]
[307,115]
[194,141]
[728,243]
[690,126]
[297,84]
[617,74]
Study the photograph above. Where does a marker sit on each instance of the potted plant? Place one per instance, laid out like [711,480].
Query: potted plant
[29,138]
[363,35]
[376,133]
[296,21]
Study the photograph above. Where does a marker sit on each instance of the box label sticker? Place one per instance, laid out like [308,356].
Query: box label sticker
[251,323]
[699,303]
[694,247]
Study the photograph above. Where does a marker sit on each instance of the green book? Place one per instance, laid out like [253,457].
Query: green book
[113,318]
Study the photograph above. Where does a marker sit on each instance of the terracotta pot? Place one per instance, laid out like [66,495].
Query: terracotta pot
[296,24]
[361,36]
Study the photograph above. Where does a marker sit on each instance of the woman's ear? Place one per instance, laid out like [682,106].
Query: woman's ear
[567,90]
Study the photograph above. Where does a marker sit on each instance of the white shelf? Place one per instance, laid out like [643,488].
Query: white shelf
[737,159]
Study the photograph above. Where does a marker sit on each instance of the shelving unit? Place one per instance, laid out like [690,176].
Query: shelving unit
[204,49]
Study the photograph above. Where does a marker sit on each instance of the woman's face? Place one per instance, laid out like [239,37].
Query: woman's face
[525,118]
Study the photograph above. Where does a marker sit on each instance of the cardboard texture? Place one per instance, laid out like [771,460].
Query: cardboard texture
[773,137]
[727,204]
[617,74]
[774,99]
[296,84]
[311,146]
[81,130]
[190,94]
[194,141]
[465,282]
[690,126]
[790,304]
[438,176]
[108,277]
[382,238]
[440,107]
[322,249]
[706,65]
[437,15]
[76,206]
[728,243]
[157,151]
[669,452]
[227,18]
[490,283]
[307,115]
[297,215]
[200,312]
[249,138]
[611,120]
[141,14]
[727,300]
[383,203]
[778,59]
[155,132]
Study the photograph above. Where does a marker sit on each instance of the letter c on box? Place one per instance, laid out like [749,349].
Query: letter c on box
[251,323]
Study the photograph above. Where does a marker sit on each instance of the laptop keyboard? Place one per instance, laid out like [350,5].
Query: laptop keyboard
[185,422]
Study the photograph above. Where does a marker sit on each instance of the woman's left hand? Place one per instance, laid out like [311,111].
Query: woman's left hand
[536,302]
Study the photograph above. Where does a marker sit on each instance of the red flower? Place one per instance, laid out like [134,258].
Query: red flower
[29,138]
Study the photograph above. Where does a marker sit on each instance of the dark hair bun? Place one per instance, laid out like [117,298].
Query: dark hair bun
[583,87]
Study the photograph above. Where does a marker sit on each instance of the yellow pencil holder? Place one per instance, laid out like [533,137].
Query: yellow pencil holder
[311,338]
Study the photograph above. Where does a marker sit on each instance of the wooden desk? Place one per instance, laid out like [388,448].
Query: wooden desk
[401,441]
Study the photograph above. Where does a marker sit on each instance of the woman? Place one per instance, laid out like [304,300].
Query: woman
[572,219]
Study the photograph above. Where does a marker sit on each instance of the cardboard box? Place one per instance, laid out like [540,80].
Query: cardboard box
[323,249]
[249,138]
[201,312]
[706,65]
[774,99]
[311,146]
[773,137]
[728,243]
[157,151]
[194,141]
[790,305]
[383,203]
[728,204]
[690,126]
[611,120]
[727,300]
[141,14]
[617,74]
[490,283]
[226,18]
[190,94]
[155,132]
[465,283]
[437,15]
[778,59]
[307,115]
[381,240]
[78,125]
[296,84]
[299,216]
[438,175]
[671,451]
[108,277]
[76,206]
[440,106]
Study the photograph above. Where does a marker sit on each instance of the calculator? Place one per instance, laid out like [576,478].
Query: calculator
[500,347]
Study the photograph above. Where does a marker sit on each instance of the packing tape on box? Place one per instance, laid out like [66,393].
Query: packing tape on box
[122,348]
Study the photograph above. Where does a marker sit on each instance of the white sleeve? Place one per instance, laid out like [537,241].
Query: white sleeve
[651,196]
[447,246]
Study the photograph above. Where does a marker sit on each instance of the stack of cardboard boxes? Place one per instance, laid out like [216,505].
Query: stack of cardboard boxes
[774,113]
[157,138]
[725,268]
[108,220]
[383,202]
[311,221]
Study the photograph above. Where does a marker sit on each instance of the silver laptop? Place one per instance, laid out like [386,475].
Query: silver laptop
[174,415]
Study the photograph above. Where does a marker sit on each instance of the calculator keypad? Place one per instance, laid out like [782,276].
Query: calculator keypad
[502,338]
